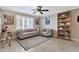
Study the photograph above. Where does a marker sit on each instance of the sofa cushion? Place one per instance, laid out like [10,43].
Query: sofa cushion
[30,30]
[26,30]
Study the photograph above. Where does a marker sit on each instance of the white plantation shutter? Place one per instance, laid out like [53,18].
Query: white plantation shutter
[24,22]
[31,25]
[18,22]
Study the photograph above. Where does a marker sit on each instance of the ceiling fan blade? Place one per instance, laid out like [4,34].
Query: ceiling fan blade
[34,12]
[41,12]
[44,10]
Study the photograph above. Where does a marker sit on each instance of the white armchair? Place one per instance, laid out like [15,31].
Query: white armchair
[46,33]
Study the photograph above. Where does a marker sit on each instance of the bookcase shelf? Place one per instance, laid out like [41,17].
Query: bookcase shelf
[64,25]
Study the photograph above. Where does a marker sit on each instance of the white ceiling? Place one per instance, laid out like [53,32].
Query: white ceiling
[29,9]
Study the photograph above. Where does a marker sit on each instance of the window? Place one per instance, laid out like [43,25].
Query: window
[24,22]
[18,22]
[29,23]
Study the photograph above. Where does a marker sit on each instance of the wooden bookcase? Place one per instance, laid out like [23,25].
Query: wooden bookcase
[64,25]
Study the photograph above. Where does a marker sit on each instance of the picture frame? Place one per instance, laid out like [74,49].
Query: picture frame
[47,20]
[9,19]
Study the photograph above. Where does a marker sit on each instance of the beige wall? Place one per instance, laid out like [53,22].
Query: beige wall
[10,27]
[74,24]
[53,23]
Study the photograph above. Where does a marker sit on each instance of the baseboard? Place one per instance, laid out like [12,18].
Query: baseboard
[75,39]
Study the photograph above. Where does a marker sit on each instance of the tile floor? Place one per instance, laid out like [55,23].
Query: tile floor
[16,47]
[56,45]
[52,45]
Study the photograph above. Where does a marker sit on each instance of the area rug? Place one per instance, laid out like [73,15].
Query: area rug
[32,41]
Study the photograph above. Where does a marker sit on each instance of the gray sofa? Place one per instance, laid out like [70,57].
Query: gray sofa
[24,33]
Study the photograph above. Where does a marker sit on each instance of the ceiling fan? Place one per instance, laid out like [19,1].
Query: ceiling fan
[40,10]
